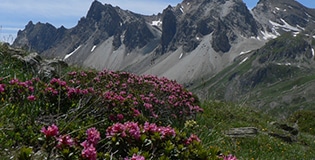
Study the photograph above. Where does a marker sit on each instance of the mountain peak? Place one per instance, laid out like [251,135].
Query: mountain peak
[95,11]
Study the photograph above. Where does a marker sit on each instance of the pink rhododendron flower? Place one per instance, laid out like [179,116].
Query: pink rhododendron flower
[65,140]
[120,117]
[192,138]
[31,88]
[31,98]
[136,157]
[150,127]
[93,135]
[2,87]
[136,112]
[114,129]
[14,81]
[123,129]
[229,157]
[50,131]
[89,152]
[166,131]
[133,129]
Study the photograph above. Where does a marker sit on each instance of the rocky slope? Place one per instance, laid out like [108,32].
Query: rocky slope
[278,78]
[188,42]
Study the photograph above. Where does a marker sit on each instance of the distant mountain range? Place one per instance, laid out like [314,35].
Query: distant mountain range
[193,43]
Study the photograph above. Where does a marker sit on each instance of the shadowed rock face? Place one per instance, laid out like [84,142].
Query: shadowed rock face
[168,28]
[39,36]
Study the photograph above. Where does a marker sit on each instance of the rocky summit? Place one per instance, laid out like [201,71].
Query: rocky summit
[189,42]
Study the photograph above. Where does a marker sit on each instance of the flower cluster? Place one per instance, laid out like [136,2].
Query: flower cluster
[2,88]
[130,138]
[135,157]
[134,130]
[192,138]
[50,131]
[89,145]
[65,141]
[122,96]
[228,157]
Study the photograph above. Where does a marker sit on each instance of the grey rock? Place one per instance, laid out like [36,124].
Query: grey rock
[242,132]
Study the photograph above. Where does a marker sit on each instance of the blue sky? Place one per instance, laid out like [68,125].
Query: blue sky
[15,14]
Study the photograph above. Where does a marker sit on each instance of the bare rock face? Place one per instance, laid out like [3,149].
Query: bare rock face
[283,15]
[289,134]
[39,36]
[168,28]
[44,69]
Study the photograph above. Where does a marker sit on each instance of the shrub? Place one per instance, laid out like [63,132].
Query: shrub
[305,120]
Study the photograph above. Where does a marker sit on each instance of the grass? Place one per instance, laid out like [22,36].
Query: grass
[18,131]
[219,117]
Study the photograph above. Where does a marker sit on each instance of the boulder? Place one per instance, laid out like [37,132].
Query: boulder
[242,132]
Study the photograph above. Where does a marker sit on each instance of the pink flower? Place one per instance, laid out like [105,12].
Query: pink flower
[51,131]
[229,157]
[128,128]
[136,157]
[89,152]
[192,138]
[31,98]
[65,140]
[93,135]
[83,74]
[120,117]
[31,88]
[167,131]
[133,129]
[150,127]
[14,81]
[114,129]
[136,112]
[2,87]
[148,106]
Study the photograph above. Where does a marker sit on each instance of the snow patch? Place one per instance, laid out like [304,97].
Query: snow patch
[300,27]
[181,9]
[313,52]
[295,34]
[180,56]
[93,48]
[244,60]
[268,35]
[156,23]
[70,54]
[284,64]
[198,38]
[309,16]
[245,52]
[285,26]
[277,8]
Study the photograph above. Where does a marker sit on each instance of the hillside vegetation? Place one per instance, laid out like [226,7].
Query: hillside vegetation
[84,114]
